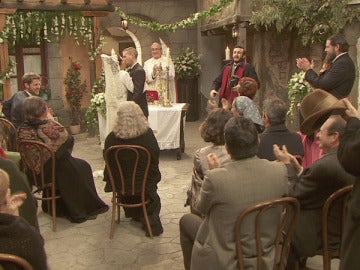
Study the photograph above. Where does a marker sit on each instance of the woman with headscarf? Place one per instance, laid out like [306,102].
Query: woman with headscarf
[74,180]
[245,107]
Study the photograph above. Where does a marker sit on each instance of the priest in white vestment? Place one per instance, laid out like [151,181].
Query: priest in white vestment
[156,73]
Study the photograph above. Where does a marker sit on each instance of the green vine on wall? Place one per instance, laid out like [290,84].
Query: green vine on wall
[190,21]
[32,26]
[313,20]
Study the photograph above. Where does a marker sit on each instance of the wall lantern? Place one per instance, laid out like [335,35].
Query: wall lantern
[124,24]
[235,31]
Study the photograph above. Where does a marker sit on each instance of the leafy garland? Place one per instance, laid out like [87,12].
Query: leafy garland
[313,20]
[190,21]
[32,26]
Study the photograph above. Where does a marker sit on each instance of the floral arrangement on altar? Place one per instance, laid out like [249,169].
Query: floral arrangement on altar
[187,64]
[298,89]
[74,90]
[97,103]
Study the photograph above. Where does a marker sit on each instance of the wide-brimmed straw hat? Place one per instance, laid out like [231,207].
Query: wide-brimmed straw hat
[316,108]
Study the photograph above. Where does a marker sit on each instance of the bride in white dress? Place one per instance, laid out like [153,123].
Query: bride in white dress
[117,83]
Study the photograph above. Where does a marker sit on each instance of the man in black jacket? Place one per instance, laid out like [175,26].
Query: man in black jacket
[340,76]
[138,76]
[348,155]
[276,132]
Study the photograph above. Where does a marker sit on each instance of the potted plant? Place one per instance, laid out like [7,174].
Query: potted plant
[97,104]
[187,64]
[74,91]
[187,70]
[298,89]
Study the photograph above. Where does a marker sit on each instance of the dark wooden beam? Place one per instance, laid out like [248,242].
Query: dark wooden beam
[57,7]
[219,24]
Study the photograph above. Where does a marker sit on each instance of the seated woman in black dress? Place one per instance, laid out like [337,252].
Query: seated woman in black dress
[132,127]
[75,183]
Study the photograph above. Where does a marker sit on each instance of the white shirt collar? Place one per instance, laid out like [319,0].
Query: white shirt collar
[28,93]
[133,65]
[338,56]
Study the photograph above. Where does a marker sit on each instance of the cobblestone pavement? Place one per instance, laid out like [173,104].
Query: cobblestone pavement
[87,245]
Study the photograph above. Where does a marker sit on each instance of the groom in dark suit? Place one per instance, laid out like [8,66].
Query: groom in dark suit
[137,73]
[339,78]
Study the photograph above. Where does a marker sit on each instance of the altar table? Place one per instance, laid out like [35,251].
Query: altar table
[168,126]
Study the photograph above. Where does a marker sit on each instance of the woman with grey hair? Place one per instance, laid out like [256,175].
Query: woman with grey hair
[132,128]
[79,200]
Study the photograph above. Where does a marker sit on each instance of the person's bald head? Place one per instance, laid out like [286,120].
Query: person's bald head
[156,50]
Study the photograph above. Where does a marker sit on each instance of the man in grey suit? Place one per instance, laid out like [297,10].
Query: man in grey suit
[31,83]
[312,186]
[226,192]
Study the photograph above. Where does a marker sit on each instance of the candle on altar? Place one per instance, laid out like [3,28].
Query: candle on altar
[227,53]
[168,56]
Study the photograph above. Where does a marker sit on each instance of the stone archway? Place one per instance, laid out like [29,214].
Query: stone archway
[140,36]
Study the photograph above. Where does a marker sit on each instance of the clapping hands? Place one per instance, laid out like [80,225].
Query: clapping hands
[12,203]
[285,157]
[213,161]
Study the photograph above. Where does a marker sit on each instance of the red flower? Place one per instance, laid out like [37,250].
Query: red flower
[77,66]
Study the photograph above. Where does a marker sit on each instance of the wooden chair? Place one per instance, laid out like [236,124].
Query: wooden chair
[125,187]
[9,134]
[289,209]
[16,260]
[35,155]
[338,199]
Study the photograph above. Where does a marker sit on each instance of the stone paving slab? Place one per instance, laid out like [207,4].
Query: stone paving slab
[87,245]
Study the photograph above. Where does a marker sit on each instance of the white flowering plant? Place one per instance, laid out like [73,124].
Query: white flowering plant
[97,103]
[298,89]
[187,64]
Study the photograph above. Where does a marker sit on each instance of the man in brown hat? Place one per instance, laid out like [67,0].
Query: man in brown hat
[339,78]
[312,186]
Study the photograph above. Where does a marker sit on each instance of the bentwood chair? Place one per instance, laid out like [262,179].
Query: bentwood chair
[6,259]
[35,155]
[9,134]
[126,165]
[336,204]
[282,212]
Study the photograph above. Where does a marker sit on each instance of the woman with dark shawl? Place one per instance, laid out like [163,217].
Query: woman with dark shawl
[79,200]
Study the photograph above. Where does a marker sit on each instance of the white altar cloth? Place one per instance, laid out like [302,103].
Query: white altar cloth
[165,122]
